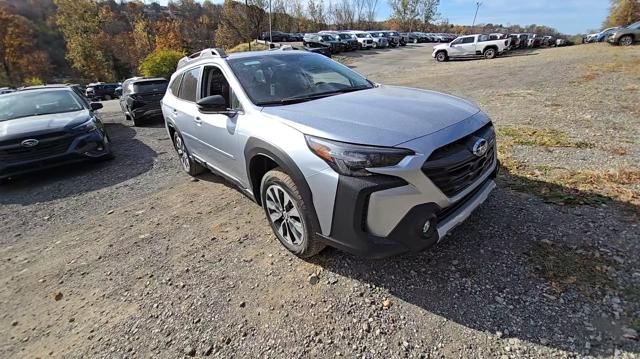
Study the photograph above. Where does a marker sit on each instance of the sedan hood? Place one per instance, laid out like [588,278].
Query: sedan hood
[382,116]
[24,126]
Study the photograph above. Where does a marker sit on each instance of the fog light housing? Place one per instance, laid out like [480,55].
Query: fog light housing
[429,228]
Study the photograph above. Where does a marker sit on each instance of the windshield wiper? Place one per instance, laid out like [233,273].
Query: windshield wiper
[314,96]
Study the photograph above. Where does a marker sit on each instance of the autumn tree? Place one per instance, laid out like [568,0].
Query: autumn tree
[161,63]
[80,25]
[235,26]
[168,35]
[18,56]
[623,12]
[408,12]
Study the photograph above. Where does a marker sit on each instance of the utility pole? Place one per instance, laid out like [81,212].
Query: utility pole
[478,4]
[246,8]
[270,38]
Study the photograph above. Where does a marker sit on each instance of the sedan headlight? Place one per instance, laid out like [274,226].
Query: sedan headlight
[353,160]
[87,126]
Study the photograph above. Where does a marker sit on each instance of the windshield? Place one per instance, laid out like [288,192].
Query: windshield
[634,26]
[150,86]
[327,37]
[345,36]
[394,34]
[377,34]
[361,35]
[294,77]
[34,103]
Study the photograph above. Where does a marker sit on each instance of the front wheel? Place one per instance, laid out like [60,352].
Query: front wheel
[289,214]
[441,56]
[489,54]
[190,166]
[626,40]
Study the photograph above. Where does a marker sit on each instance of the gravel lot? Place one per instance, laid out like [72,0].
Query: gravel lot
[131,258]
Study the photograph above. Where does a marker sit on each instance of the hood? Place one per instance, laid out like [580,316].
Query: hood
[382,116]
[441,47]
[24,126]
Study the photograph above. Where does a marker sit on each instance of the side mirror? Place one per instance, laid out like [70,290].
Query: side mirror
[95,106]
[215,103]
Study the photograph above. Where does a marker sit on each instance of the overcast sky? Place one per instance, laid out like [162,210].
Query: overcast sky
[568,16]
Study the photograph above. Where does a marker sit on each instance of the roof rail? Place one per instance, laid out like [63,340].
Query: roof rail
[212,52]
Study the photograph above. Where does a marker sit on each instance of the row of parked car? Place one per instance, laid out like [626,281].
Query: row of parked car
[624,36]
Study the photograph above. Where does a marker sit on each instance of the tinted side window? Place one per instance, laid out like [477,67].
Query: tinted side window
[189,86]
[467,40]
[175,85]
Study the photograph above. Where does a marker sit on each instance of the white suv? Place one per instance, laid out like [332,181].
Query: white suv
[333,158]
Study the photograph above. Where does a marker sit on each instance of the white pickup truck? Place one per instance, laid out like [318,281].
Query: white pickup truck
[471,46]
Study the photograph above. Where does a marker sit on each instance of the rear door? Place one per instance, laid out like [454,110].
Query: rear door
[468,46]
[186,111]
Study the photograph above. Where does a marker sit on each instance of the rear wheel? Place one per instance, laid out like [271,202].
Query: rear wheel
[288,214]
[441,56]
[626,40]
[489,53]
[190,166]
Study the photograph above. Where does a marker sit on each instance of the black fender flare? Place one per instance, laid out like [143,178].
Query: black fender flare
[257,147]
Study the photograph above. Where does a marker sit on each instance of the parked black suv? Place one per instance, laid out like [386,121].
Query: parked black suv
[46,127]
[98,92]
[141,97]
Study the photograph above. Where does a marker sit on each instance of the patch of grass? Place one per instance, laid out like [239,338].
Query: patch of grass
[564,267]
[255,46]
[544,137]
[618,151]
[559,185]
[519,93]
[628,67]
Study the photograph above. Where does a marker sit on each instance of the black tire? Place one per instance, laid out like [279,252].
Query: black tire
[309,244]
[490,53]
[188,164]
[441,56]
[626,40]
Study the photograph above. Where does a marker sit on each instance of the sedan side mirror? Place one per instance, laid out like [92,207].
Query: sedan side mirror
[95,106]
[215,103]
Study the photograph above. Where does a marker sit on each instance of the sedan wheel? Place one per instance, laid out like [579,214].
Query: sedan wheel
[626,41]
[441,56]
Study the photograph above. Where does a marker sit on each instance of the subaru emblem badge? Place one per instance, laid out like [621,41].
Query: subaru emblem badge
[30,142]
[480,147]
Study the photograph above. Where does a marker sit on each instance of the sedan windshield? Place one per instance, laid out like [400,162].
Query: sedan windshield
[34,103]
[294,77]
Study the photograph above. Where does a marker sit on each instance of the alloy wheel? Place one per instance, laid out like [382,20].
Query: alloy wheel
[182,154]
[626,41]
[284,215]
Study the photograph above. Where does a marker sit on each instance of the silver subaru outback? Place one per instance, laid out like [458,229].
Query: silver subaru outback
[333,158]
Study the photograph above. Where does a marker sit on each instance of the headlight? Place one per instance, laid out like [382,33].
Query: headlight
[353,160]
[86,126]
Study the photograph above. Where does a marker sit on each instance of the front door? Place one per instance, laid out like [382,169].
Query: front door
[217,131]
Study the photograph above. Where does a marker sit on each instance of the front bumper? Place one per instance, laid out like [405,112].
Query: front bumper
[349,232]
[385,214]
[90,146]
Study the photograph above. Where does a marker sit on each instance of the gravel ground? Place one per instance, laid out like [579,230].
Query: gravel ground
[131,258]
